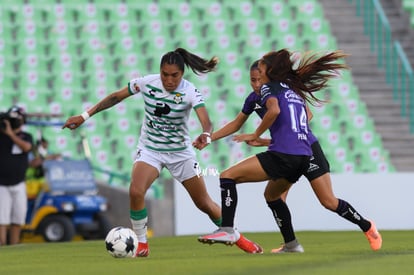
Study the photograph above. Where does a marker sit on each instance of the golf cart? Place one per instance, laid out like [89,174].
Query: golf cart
[67,204]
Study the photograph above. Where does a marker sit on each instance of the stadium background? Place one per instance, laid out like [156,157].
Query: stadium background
[60,57]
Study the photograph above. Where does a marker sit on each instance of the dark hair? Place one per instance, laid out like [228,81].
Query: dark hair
[311,76]
[255,65]
[197,64]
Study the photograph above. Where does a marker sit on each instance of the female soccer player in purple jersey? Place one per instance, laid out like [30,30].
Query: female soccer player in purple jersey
[283,110]
[318,174]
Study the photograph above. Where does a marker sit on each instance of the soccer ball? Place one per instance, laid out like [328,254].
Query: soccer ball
[121,242]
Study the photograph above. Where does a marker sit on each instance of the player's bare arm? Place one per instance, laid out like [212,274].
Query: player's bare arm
[230,128]
[107,102]
[203,139]
[259,142]
[273,110]
[110,101]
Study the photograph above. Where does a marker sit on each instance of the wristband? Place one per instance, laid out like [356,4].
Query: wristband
[208,138]
[85,115]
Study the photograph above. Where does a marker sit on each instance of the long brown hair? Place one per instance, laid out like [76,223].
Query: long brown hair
[311,75]
[197,64]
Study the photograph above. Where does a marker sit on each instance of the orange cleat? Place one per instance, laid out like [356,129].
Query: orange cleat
[374,237]
[143,250]
[248,246]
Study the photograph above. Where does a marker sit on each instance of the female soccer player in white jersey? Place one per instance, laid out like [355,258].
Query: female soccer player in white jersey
[164,139]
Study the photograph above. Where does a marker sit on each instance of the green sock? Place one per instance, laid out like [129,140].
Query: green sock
[138,214]
[217,221]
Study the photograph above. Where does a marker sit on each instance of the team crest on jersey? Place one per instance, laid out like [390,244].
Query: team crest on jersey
[178,98]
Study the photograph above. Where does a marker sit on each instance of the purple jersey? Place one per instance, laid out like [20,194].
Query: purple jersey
[289,132]
[252,103]
[311,137]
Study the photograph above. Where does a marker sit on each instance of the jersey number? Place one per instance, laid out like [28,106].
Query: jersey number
[302,124]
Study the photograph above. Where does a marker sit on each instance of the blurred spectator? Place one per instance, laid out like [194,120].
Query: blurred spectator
[15,145]
[38,156]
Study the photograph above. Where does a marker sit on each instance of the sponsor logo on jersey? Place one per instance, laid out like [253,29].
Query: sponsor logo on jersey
[291,96]
[161,109]
[257,106]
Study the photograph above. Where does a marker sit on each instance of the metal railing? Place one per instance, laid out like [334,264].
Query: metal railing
[403,83]
[391,56]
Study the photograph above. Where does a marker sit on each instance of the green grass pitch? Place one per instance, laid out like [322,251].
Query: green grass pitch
[330,253]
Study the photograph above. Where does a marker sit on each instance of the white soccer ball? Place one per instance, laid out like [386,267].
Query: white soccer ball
[121,242]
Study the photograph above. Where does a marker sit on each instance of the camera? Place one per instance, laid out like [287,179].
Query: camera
[15,116]
[14,122]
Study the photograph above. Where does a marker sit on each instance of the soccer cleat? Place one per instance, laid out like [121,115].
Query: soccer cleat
[219,236]
[291,247]
[142,250]
[374,237]
[248,246]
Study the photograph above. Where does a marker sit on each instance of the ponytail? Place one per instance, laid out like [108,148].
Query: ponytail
[197,64]
[311,75]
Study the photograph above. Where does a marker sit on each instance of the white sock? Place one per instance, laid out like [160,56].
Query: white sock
[140,228]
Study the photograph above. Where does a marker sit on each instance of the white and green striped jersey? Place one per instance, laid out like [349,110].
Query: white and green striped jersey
[166,113]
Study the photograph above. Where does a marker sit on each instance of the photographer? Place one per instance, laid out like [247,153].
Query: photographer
[15,145]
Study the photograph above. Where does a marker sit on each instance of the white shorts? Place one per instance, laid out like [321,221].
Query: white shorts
[13,204]
[182,165]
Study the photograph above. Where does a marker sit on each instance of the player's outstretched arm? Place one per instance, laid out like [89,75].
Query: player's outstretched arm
[259,142]
[107,102]
[231,127]
[205,138]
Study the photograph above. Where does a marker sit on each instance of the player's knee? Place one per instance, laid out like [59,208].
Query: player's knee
[269,196]
[225,174]
[136,193]
[233,175]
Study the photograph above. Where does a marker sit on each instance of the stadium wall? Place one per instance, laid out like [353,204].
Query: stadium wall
[160,212]
[385,198]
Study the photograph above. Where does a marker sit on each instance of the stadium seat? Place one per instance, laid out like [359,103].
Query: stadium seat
[63,56]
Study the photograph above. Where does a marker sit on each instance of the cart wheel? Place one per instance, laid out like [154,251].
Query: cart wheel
[57,228]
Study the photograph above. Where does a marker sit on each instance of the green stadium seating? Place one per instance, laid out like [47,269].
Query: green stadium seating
[408,5]
[62,56]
